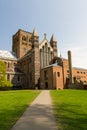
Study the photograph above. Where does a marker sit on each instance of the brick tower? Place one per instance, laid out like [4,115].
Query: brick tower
[21,43]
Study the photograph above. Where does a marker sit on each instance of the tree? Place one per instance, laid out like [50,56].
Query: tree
[3,81]
[2,69]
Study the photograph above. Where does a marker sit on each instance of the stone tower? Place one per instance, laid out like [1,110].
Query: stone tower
[21,43]
[53,43]
[35,57]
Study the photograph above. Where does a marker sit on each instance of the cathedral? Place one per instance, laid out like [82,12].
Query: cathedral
[33,65]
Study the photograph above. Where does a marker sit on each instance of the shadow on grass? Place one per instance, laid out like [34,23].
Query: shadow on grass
[70,117]
[36,117]
[8,117]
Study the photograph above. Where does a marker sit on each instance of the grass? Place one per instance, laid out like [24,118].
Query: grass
[12,106]
[70,109]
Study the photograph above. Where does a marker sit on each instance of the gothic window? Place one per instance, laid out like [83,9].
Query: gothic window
[45,75]
[43,55]
[45,47]
[49,55]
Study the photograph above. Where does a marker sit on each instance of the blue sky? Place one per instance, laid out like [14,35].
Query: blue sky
[66,19]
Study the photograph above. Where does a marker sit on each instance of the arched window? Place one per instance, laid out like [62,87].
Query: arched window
[49,55]
[24,38]
[43,55]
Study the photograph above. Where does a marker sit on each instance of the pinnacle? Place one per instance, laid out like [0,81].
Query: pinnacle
[53,38]
[35,33]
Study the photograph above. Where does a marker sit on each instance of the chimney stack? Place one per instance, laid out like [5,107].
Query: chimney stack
[70,67]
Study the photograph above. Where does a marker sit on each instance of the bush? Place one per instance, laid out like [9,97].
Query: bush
[5,88]
[5,84]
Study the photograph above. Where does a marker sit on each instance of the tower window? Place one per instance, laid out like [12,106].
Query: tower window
[58,74]
[24,38]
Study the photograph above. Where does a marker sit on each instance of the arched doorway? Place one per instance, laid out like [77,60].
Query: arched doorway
[46,85]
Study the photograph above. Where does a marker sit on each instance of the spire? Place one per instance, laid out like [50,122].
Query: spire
[35,33]
[53,38]
[60,55]
[44,35]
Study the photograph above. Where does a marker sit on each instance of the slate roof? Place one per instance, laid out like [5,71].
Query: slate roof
[7,55]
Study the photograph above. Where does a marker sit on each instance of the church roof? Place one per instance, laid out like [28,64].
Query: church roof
[45,41]
[7,55]
[52,65]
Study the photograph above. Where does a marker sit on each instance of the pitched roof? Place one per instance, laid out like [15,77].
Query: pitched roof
[7,55]
[52,65]
[77,68]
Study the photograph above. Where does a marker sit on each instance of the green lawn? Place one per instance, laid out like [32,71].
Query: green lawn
[13,104]
[70,108]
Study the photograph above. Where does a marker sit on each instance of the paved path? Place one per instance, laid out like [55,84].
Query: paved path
[39,116]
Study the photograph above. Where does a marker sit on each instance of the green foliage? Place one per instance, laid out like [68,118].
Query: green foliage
[3,82]
[70,108]
[13,104]
[2,68]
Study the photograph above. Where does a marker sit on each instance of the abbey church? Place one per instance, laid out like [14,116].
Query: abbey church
[32,64]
